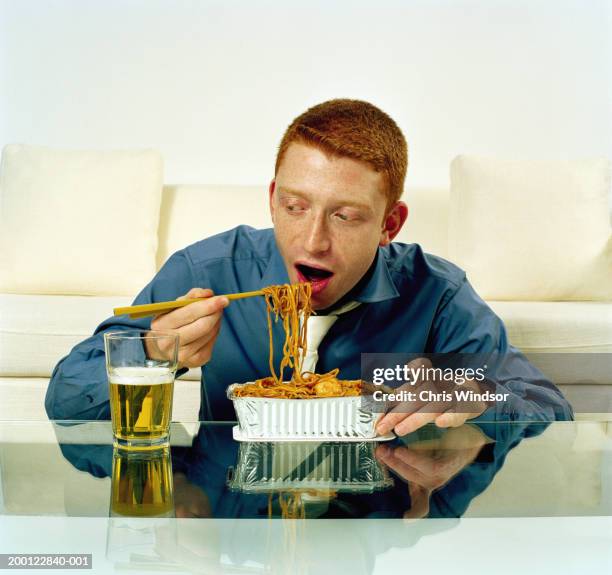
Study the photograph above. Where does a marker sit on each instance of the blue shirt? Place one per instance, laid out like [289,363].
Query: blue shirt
[411,302]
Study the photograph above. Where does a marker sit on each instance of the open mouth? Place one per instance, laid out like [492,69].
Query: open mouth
[318,277]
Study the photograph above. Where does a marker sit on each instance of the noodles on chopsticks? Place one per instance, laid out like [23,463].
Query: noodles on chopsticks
[291,304]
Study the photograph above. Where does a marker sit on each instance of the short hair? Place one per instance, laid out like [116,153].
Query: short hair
[357,130]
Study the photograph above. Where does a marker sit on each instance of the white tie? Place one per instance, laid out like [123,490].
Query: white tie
[317,328]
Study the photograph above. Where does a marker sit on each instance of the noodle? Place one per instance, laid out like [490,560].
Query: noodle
[292,304]
[292,505]
[313,385]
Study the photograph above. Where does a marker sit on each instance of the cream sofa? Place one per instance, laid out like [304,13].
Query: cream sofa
[37,330]
[101,223]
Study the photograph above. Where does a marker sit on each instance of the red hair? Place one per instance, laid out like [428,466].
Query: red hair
[353,129]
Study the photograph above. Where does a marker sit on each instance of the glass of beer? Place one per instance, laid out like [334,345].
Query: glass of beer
[141,366]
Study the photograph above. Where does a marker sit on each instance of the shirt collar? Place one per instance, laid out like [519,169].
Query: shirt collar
[377,287]
[275,272]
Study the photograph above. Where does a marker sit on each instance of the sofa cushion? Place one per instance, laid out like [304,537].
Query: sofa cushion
[36,331]
[78,222]
[191,213]
[23,399]
[427,223]
[526,230]
[561,327]
[571,342]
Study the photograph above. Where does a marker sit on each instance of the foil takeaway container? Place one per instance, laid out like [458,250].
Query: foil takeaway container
[328,418]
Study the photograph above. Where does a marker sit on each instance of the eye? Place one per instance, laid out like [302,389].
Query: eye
[349,216]
[294,208]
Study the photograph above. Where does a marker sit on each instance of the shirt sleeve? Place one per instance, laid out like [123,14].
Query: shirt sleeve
[78,388]
[465,324]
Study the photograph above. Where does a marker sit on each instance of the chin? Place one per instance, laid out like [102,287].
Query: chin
[322,303]
[318,303]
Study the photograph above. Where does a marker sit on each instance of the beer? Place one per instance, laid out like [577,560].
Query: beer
[141,484]
[141,405]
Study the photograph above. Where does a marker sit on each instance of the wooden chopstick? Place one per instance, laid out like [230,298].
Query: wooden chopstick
[147,309]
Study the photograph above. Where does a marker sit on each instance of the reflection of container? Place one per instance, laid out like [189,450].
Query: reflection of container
[141,483]
[317,418]
[348,467]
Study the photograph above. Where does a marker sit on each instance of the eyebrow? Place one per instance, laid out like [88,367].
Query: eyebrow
[348,204]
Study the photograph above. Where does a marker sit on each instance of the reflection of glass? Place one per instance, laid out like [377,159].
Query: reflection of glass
[142,484]
[140,387]
[141,528]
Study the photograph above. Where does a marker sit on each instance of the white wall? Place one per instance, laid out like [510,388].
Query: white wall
[212,84]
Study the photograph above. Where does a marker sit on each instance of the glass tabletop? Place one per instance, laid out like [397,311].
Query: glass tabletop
[212,500]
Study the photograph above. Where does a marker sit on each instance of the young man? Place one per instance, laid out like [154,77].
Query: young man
[335,204]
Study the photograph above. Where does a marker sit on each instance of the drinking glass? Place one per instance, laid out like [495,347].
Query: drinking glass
[141,366]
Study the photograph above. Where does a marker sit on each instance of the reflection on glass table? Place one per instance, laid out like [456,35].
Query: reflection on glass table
[215,476]
[210,502]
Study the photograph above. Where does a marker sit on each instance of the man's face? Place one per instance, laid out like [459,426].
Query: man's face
[328,217]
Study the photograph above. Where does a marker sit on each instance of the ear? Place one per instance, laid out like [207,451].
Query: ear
[271,198]
[393,223]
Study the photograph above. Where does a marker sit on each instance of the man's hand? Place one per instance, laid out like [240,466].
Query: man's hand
[429,465]
[406,417]
[197,325]
[189,499]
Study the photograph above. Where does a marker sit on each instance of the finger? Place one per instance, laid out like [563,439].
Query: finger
[452,419]
[190,332]
[401,468]
[199,504]
[202,355]
[195,293]
[409,405]
[199,331]
[425,464]
[188,314]
[198,352]
[183,512]
[419,362]
[192,337]
[423,393]
[414,422]
[404,411]
[389,421]
[401,458]
[419,502]
[427,445]
[381,451]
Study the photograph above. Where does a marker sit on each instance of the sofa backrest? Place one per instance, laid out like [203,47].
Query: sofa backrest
[190,213]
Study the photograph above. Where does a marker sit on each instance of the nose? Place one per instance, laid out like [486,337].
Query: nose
[317,235]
